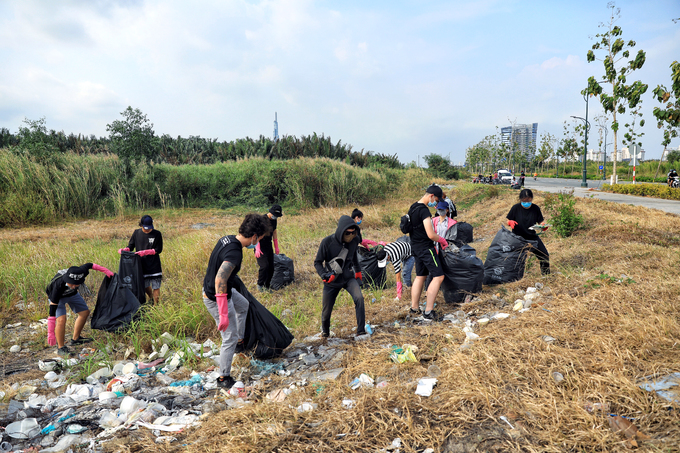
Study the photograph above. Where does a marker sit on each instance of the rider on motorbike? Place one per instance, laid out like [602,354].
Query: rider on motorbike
[671,176]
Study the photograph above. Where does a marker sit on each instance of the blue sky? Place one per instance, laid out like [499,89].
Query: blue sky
[400,77]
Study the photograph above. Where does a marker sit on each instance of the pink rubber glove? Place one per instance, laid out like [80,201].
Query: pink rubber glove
[367,242]
[383,243]
[223,308]
[97,267]
[512,224]
[276,246]
[258,251]
[146,252]
[399,289]
[126,249]
[443,242]
[51,337]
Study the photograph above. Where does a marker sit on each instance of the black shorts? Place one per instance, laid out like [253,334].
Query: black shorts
[427,263]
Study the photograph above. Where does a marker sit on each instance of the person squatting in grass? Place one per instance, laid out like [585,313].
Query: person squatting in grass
[149,244]
[336,263]
[264,253]
[397,253]
[225,304]
[63,290]
[524,215]
[426,256]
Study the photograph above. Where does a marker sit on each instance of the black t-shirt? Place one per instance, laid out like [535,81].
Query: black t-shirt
[58,289]
[525,218]
[151,264]
[228,248]
[420,213]
[266,241]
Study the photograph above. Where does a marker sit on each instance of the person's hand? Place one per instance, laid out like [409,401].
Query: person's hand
[328,277]
[367,242]
[126,249]
[258,251]
[399,289]
[512,224]
[545,227]
[146,252]
[97,267]
[443,242]
[276,248]
[51,337]
[359,277]
[223,309]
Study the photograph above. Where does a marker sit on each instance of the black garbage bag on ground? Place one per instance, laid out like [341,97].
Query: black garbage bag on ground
[264,332]
[284,272]
[463,274]
[371,274]
[132,275]
[464,233]
[506,258]
[116,306]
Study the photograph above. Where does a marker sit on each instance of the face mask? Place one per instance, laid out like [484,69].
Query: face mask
[274,217]
[441,212]
[432,204]
[359,222]
[251,246]
[526,204]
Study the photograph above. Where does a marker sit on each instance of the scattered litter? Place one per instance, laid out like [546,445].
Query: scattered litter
[557,377]
[165,439]
[363,380]
[278,395]
[15,348]
[348,403]
[24,429]
[483,321]
[306,407]
[667,387]
[501,316]
[505,419]
[425,386]
[621,425]
[596,407]
[434,371]
[403,354]
[548,339]
[519,304]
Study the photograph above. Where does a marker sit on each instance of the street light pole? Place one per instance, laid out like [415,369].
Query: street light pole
[604,167]
[584,182]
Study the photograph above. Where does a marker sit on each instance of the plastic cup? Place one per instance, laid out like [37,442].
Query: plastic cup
[129,368]
[129,405]
[118,369]
[106,396]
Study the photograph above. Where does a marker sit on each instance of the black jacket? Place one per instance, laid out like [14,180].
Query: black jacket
[330,248]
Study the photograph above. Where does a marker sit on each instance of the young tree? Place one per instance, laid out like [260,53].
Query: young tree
[34,140]
[133,137]
[668,118]
[617,65]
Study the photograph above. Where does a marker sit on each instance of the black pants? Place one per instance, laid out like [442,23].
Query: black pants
[543,256]
[266,263]
[331,293]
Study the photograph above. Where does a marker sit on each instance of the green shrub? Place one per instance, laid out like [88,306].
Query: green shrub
[564,218]
[644,190]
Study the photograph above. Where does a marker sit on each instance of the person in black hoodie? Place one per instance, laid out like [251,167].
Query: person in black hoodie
[149,244]
[336,263]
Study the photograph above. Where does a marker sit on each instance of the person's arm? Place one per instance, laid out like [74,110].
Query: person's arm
[158,243]
[221,278]
[429,229]
[131,243]
[320,258]
[275,239]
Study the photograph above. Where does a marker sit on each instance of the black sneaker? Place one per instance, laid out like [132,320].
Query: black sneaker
[64,351]
[415,312]
[225,382]
[432,316]
[325,334]
[80,340]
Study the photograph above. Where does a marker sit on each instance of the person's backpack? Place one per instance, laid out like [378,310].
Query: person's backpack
[405,224]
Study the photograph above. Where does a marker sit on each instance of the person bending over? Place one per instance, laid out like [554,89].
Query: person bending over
[521,218]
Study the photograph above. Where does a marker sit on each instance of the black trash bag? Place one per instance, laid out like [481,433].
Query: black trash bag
[284,272]
[116,306]
[506,258]
[464,233]
[463,274]
[371,274]
[264,332]
[132,275]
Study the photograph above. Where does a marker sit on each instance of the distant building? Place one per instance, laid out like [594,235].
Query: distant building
[627,155]
[524,136]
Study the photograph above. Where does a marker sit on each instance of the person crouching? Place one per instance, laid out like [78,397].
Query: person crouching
[336,262]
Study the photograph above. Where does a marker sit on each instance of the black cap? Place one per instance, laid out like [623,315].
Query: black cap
[436,191]
[276,210]
[75,275]
[146,222]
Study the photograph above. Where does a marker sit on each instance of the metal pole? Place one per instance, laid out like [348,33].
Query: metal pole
[604,167]
[584,182]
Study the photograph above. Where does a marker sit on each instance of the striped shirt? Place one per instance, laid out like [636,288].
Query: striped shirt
[398,252]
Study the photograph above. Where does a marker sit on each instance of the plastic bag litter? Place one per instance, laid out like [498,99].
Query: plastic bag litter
[363,380]
[24,429]
[64,443]
[425,386]
[403,354]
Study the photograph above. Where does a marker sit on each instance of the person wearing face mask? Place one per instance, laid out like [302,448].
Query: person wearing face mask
[444,225]
[264,253]
[427,260]
[62,290]
[226,305]
[358,217]
[149,244]
[521,218]
[336,263]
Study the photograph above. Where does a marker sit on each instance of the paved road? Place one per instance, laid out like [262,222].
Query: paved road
[559,184]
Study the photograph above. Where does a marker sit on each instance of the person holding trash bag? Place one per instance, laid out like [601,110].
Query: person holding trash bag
[149,244]
[337,263]
[228,307]
[62,290]
[397,253]
[443,224]
[521,218]
[426,256]
[264,253]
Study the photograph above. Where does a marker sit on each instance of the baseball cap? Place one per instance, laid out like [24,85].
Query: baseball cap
[442,205]
[75,275]
[146,222]
[382,258]
[436,191]
[276,210]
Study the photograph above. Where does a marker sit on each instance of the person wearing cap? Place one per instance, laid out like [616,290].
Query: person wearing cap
[426,256]
[336,263]
[397,253]
[264,253]
[521,218]
[63,290]
[444,225]
[148,242]
[227,306]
